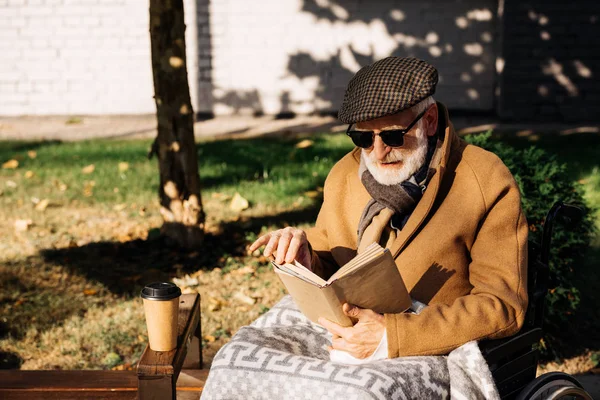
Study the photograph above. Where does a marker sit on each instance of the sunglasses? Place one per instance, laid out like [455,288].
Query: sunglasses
[392,137]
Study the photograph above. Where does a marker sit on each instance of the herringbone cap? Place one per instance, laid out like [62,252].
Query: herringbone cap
[386,87]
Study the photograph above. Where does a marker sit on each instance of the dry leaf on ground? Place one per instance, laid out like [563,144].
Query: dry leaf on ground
[10,164]
[32,154]
[29,174]
[88,169]
[238,203]
[120,207]
[22,225]
[306,143]
[90,292]
[123,166]
[242,298]
[209,338]
[186,281]
[42,205]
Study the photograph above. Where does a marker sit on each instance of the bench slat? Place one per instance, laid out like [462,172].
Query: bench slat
[71,385]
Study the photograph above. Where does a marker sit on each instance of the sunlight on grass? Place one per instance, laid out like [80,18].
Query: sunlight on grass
[263,171]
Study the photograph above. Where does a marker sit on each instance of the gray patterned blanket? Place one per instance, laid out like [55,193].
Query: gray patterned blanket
[282,355]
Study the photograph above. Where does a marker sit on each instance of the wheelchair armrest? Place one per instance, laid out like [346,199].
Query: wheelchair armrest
[495,350]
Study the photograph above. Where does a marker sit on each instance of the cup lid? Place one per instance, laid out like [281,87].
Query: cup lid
[160,291]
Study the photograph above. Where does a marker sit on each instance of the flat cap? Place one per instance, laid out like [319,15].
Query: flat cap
[386,87]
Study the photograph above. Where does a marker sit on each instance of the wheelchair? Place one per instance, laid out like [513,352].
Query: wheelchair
[513,361]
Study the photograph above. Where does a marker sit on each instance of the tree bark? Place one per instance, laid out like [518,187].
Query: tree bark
[179,189]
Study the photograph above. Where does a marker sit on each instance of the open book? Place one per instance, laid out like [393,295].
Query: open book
[370,280]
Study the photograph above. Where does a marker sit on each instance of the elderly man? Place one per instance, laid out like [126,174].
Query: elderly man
[449,212]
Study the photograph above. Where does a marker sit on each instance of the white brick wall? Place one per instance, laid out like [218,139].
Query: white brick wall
[271,56]
[76,57]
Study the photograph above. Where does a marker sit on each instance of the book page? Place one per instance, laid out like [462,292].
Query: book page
[298,270]
[372,252]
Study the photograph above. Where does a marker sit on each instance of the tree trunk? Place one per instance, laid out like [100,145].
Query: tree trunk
[179,190]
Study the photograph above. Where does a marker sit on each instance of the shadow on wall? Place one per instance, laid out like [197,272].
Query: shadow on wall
[525,61]
[457,37]
[549,67]
[204,83]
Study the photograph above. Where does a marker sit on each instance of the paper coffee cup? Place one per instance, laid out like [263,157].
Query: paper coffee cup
[161,307]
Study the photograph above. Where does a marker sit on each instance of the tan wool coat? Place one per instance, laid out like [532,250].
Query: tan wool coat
[463,250]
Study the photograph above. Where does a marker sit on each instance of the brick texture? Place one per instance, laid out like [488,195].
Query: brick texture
[551,62]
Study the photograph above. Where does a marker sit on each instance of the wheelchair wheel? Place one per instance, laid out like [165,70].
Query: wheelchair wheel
[553,386]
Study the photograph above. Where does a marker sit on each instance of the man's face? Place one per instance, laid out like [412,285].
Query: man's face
[393,165]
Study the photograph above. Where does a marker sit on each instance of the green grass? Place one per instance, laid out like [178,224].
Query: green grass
[268,172]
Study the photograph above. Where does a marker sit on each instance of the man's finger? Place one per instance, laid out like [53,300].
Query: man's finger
[352,311]
[332,327]
[282,246]
[261,241]
[340,344]
[272,245]
[294,248]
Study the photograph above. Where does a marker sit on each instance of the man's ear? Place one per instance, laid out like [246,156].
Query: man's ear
[431,119]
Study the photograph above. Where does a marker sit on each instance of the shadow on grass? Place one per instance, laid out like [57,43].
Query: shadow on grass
[10,360]
[42,291]
[9,148]
[123,268]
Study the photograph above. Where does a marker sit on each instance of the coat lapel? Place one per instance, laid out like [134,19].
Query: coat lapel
[426,203]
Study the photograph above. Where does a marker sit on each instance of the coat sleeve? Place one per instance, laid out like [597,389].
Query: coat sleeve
[496,305]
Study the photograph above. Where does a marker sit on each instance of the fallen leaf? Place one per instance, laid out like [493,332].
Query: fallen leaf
[123,166]
[214,304]
[242,298]
[209,338]
[238,203]
[311,194]
[62,187]
[89,169]
[304,144]
[244,270]
[22,225]
[120,207]
[10,164]
[42,205]
[32,154]
[90,292]
[186,281]
[29,174]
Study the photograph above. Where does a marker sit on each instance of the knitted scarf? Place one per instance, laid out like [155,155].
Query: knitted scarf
[401,199]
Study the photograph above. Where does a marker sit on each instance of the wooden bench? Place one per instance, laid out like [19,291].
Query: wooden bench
[159,375]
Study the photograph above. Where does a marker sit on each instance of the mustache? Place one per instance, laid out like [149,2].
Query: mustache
[391,157]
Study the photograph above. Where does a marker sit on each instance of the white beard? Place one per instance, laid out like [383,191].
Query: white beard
[410,162]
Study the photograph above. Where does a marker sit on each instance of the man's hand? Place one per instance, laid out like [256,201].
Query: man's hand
[287,245]
[362,339]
